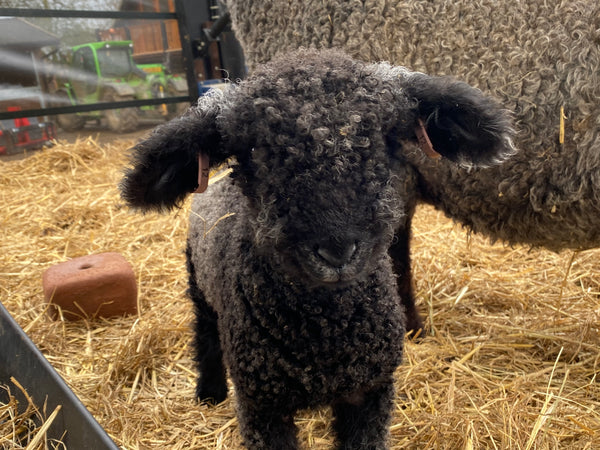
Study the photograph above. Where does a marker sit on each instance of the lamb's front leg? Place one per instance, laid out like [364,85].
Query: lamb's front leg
[212,380]
[265,429]
[362,422]
[400,254]
[211,386]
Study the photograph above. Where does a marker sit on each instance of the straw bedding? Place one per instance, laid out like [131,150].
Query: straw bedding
[510,359]
[25,428]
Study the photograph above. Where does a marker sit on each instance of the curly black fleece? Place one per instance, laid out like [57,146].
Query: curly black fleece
[289,346]
[298,262]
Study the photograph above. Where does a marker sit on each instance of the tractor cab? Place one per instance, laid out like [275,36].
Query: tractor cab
[105,72]
[96,65]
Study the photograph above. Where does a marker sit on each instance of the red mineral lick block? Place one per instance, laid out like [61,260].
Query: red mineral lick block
[101,285]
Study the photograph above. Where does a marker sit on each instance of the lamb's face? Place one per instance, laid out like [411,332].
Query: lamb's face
[328,224]
[320,177]
[320,142]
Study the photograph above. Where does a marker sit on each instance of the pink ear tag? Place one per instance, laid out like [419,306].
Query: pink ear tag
[202,173]
[424,141]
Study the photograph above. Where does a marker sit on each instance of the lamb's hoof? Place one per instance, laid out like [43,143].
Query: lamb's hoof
[211,393]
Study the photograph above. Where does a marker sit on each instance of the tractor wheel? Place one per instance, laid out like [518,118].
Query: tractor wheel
[175,109]
[68,122]
[121,120]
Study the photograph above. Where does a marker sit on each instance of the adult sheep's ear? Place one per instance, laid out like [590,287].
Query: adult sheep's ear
[165,166]
[462,123]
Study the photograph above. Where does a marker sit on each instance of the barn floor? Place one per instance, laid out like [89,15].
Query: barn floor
[510,359]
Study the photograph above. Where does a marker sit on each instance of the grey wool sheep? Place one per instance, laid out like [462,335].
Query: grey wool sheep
[539,58]
[297,261]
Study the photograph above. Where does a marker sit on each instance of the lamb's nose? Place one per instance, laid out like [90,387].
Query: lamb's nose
[337,254]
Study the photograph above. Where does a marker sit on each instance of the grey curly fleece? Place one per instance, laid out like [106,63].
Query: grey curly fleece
[535,56]
[294,260]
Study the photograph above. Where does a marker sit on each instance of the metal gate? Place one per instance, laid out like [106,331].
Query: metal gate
[187,49]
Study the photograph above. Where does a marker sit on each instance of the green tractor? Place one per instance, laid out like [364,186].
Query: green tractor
[105,72]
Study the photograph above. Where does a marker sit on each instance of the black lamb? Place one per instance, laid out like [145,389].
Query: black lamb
[298,259]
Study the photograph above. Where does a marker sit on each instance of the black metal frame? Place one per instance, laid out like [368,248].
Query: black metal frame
[186,47]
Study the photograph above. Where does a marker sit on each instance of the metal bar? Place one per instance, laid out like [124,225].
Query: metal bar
[91,107]
[163,37]
[77,13]
[186,51]
[187,54]
[38,80]
[218,27]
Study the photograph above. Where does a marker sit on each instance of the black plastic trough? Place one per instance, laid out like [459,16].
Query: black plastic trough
[21,359]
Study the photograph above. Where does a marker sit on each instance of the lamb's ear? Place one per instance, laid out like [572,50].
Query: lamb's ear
[462,123]
[164,166]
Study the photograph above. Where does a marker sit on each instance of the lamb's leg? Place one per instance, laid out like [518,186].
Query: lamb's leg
[400,254]
[212,380]
[264,429]
[362,423]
